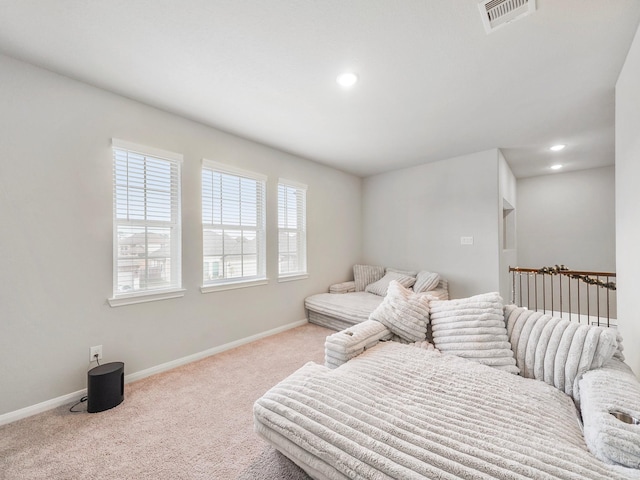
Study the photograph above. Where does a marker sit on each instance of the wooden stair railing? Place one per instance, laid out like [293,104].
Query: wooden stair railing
[580,295]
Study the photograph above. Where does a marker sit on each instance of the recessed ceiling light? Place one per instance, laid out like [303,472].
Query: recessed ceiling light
[347,80]
[556,167]
[557,148]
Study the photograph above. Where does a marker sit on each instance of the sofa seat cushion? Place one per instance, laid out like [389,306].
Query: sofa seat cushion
[354,307]
[398,411]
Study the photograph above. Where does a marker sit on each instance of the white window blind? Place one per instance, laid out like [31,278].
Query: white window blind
[292,228]
[146,212]
[233,224]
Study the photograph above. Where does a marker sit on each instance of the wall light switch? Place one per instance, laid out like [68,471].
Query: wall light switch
[466,240]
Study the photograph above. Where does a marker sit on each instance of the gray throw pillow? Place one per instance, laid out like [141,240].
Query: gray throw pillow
[426,281]
[380,287]
[363,275]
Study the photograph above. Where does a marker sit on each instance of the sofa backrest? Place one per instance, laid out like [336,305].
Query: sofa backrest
[555,350]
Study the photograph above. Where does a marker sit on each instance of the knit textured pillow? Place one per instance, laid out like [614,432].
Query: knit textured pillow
[555,350]
[410,273]
[380,287]
[473,328]
[426,281]
[404,313]
[363,275]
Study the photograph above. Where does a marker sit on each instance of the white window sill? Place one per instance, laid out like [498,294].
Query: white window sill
[293,278]
[233,285]
[145,297]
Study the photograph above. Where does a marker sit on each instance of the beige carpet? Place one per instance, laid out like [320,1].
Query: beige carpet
[193,422]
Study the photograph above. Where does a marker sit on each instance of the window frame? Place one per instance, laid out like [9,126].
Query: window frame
[228,283]
[300,229]
[174,289]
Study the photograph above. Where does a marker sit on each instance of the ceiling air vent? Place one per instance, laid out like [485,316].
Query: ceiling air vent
[496,13]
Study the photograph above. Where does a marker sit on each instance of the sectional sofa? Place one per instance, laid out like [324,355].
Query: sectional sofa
[502,392]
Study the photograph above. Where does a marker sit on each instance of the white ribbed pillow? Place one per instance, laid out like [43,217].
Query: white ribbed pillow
[404,312]
[473,328]
[426,281]
[380,287]
[555,350]
[363,275]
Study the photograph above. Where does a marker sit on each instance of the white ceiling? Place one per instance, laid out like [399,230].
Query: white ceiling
[433,84]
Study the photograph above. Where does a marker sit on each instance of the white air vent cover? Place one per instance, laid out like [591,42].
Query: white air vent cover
[496,13]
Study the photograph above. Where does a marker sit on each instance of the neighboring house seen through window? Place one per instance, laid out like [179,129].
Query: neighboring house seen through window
[147,223]
[292,229]
[233,225]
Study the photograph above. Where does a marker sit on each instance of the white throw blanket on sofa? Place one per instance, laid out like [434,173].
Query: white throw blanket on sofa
[402,412]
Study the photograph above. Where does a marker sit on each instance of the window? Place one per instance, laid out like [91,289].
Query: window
[233,226]
[292,229]
[146,224]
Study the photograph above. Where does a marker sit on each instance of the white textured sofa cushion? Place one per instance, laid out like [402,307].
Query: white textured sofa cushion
[555,350]
[363,275]
[473,328]
[404,312]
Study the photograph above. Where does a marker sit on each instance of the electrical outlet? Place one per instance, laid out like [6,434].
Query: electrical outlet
[97,350]
[466,240]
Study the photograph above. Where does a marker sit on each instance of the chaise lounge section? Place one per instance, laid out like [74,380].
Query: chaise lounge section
[352,302]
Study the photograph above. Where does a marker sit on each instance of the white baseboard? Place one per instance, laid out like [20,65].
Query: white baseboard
[207,353]
[75,396]
[41,407]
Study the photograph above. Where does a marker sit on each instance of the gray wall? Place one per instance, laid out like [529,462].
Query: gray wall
[568,218]
[627,202]
[56,237]
[414,218]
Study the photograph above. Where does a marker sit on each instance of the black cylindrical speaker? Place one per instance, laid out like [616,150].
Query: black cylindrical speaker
[105,387]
